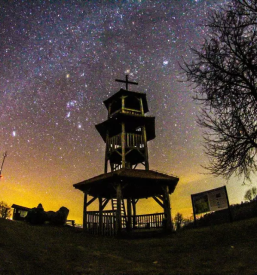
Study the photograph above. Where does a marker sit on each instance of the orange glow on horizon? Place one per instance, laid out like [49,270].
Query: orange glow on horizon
[29,193]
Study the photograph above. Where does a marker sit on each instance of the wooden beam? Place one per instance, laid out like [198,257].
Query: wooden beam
[146,149]
[85,211]
[118,152]
[92,200]
[160,197]
[158,201]
[118,211]
[167,209]
[193,209]
[106,152]
[100,215]
[123,145]
[129,214]
[109,110]
[141,106]
[123,103]
[134,202]
[129,151]
[139,151]
[105,203]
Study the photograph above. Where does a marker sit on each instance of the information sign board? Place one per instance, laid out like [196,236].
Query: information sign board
[212,200]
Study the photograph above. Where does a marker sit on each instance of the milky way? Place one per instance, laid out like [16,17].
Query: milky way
[59,60]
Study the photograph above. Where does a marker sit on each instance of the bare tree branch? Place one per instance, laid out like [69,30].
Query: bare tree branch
[224,74]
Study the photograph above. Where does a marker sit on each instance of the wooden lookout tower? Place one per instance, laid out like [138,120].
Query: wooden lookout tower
[126,133]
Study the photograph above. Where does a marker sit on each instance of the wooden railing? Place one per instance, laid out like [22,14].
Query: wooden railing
[127,111]
[109,219]
[131,140]
[134,140]
[131,112]
[108,227]
[150,220]
[114,142]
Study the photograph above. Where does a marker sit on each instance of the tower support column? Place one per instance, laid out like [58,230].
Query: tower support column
[118,211]
[85,212]
[145,148]
[123,145]
[167,209]
[129,214]
[134,213]
[100,216]
[106,153]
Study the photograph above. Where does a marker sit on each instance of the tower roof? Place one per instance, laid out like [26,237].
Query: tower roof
[123,92]
[135,183]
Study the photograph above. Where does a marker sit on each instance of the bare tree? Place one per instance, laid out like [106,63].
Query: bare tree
[224,74]
[5,211]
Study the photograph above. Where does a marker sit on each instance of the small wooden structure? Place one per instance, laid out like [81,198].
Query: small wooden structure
[126,133]
[20,212]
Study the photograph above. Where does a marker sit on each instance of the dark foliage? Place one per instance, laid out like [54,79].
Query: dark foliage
[250,194]
[178,221]
[5,210]
[37,215]
[224,72]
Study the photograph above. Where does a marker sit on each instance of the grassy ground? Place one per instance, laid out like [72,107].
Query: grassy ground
[224,249]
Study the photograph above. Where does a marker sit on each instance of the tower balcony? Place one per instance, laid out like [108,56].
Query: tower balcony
[132,140]
[112,126]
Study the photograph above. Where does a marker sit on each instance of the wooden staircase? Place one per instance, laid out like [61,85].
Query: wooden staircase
[123,211]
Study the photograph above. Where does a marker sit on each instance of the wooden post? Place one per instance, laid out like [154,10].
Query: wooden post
[109,110]
[134,213]
[129,214]
[123,103]
[141,106]
[85,211]
[106,153]
[118,211]
[144,137]
[229,209]
[192,199]
[100,216]
[123,145]
[167,209]
[145,148]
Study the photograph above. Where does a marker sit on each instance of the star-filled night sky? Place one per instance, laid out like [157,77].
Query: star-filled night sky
[58,63]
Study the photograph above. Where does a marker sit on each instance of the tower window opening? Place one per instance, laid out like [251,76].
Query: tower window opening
[116,105]
[131,102]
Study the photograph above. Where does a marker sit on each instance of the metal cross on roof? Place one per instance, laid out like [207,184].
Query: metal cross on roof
[127,82]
